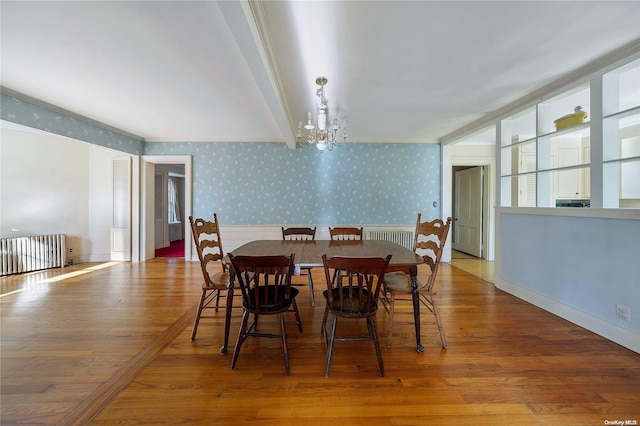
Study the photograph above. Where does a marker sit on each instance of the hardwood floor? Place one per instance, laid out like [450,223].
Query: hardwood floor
[479,267]
[110,345]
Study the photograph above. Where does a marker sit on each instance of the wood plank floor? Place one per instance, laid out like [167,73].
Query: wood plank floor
[474,265]
[110,345]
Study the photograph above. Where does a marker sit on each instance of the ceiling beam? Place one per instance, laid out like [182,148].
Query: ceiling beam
[249,27]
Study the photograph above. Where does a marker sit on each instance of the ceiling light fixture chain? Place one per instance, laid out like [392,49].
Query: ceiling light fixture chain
[322,136]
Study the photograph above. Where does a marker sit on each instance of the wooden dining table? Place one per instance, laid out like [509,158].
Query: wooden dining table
[308,254]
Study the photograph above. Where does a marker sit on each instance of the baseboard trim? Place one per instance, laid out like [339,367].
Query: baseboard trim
[616,334]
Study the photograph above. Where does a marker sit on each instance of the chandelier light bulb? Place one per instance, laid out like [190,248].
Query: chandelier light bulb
[309,126]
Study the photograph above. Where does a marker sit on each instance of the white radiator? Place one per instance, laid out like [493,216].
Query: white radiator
[403,238]
[26,254]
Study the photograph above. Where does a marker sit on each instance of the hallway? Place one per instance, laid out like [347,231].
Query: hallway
[475,266]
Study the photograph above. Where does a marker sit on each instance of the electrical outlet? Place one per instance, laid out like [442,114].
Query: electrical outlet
[623,312]
[70,250]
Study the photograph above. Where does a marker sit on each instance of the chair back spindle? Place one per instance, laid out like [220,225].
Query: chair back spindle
[342,233]
[299,234]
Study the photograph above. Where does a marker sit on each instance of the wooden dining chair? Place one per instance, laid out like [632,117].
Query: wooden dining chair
[302,234]
[206,236]
[429,240]
[265,282]
[343,233]
[353,294]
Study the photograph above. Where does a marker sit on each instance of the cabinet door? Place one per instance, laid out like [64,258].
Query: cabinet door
[569,183]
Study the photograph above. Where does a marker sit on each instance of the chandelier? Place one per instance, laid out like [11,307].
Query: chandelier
[322,136]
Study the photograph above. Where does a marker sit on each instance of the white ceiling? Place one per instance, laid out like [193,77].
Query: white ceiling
[245,71]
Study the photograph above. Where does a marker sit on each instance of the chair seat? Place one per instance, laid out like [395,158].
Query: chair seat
[399,282]
[357,304]
[275,302]
[220,279]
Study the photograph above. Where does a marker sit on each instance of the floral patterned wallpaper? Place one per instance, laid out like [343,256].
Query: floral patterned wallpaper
[259,183]
[268,183]
[27,114]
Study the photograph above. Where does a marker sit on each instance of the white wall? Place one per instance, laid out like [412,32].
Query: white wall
[51,184]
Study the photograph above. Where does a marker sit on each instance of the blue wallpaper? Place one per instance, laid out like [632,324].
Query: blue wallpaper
[27,114]
[270,184]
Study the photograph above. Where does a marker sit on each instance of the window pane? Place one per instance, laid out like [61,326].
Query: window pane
[630,181]
[621,137]
[565,188]
[559,106]
[519,127]
[622,88]
[622,184]
[517,159]
[570,150]
[519,191]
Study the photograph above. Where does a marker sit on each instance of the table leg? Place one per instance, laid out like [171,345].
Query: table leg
[416,306]
[227,317]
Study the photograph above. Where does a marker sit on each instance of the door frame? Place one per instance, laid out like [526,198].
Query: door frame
[451,159]
[147,236]
[455,224]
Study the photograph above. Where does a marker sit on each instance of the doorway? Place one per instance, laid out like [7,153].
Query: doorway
[152,213]
[467,227]
[480,152]
[169,226]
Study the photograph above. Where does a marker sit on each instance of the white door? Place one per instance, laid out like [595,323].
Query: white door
[121,220]
[467,224]
[161,222]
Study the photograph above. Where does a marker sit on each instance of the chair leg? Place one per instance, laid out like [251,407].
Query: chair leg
[324,322]
[198,313]
[241,338]
[284,343]
[217,300]
[313,299]
[371,324]
[443,340]
[330,345]
[392,306]
[227,320]
[294,305]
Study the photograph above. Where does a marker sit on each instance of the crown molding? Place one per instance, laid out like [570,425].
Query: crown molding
[605,63]
[39,103]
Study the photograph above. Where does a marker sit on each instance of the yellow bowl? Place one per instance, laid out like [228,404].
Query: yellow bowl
[570,120]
